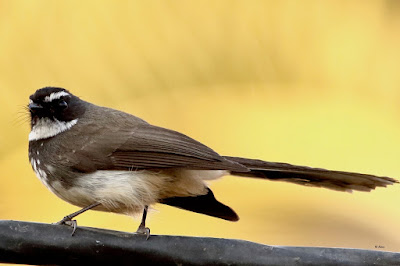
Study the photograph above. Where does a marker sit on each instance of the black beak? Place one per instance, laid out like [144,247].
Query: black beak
[34,107]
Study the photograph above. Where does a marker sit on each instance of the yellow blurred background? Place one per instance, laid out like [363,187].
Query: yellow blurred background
[312,83]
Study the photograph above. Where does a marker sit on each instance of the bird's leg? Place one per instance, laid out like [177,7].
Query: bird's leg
[142,227]
[67,220]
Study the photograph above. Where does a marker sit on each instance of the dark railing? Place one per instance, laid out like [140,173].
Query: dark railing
[35,243]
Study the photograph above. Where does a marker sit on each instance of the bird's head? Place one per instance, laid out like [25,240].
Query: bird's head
[53,108]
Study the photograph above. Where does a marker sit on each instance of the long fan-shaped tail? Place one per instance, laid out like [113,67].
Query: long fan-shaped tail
[316,177]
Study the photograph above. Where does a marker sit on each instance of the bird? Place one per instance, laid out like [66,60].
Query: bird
[107,160]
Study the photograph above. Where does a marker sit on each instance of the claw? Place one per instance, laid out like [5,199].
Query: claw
[73,224]
[63,221]
[67,221]
[143,231]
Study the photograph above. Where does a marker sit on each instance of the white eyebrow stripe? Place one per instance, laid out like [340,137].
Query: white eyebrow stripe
[55,95]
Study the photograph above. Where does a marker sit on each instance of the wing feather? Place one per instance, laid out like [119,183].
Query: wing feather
[144,146]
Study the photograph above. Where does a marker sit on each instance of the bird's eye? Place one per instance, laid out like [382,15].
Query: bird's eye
[63,104]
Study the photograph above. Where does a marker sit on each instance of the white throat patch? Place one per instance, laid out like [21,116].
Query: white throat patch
[47,128]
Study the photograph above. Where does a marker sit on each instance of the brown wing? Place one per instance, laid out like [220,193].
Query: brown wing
[155,147]
[147,147]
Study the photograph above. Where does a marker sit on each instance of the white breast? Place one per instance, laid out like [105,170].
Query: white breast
[128,192]
[118,191]
[40,173]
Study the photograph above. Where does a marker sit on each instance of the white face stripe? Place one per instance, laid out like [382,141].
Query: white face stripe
[55,95]
[47,128]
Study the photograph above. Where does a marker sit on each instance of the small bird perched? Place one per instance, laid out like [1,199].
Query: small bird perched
[107,160]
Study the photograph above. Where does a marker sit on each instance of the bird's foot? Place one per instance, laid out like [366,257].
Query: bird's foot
[67,220]
[143,230]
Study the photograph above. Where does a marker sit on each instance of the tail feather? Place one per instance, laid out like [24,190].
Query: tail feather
[205,204]
[316,177]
